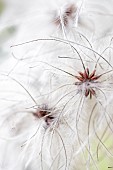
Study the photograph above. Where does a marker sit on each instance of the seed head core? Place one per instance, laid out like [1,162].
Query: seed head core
[68,14]
[46,113]
[87,82]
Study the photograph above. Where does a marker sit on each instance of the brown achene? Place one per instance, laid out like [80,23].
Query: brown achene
[45,113]
[68,14]
[88,78]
